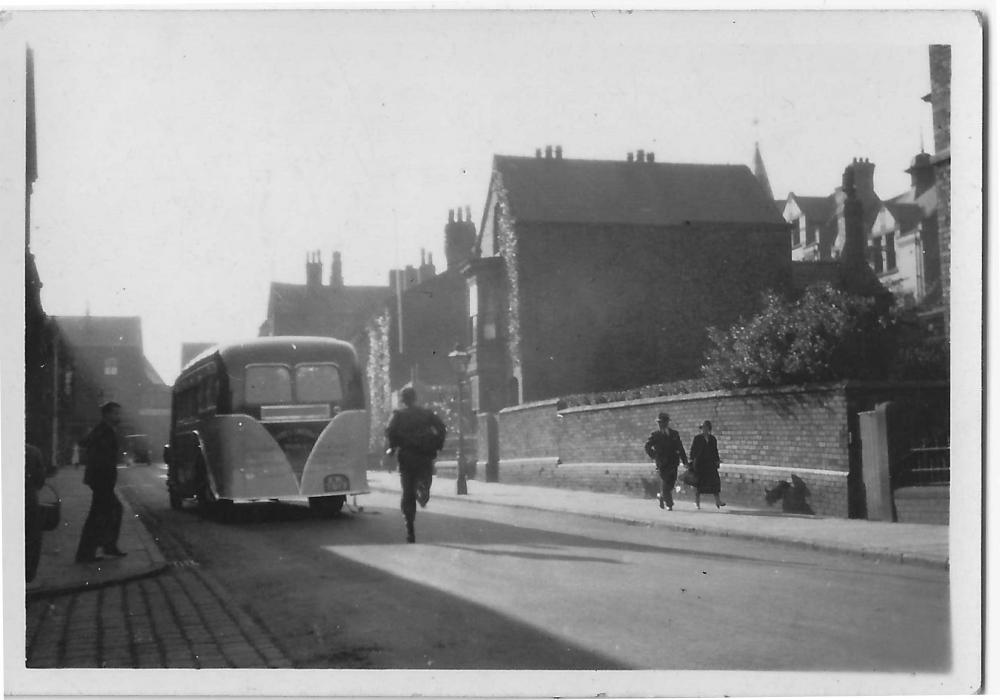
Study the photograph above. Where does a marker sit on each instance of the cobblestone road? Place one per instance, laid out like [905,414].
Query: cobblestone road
[177,619]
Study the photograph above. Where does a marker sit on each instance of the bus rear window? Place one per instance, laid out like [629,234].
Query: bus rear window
[318,383]
[268,384]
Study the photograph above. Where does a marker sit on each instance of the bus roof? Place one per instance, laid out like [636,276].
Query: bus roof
[278,349]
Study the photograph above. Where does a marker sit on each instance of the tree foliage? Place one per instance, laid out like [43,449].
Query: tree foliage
[825,335]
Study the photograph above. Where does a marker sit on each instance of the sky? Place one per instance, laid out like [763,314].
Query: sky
[187,159]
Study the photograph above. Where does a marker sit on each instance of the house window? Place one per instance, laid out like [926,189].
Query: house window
[890,251]
[473,329]
[111,366]
[810,234]
[796,234]
[875,252]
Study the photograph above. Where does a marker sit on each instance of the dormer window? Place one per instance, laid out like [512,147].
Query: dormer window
[111,366]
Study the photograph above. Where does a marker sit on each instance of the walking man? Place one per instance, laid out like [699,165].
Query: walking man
[416,435]
[105,517]
[664,445]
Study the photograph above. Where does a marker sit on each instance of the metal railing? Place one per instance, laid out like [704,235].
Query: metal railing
[923,466]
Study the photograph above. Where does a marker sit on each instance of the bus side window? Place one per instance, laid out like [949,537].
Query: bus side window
[211,400]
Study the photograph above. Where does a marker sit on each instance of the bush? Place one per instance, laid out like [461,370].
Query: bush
[825,335]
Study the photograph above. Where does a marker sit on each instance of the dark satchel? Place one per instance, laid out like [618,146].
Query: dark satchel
[690,477]
[50,511]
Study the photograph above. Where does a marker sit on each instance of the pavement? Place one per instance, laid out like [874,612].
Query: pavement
[911,543]
[57,570]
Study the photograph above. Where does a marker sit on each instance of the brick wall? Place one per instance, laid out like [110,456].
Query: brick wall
[802,435]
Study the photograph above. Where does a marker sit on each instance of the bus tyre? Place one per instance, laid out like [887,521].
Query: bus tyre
[176,500]
[329,506]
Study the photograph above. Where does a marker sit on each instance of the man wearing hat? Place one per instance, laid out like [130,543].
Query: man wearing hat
[664,445]
[104,520]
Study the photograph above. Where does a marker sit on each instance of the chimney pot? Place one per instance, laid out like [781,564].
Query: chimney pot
[548,151]
[640,155]
[451,216]
[558,151]
[468,213]
[650,157]
[629,157]
[538,153]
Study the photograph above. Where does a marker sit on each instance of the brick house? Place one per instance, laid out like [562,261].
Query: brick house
[900,234]
[593,275]
[408,339]
[940,100]
[332,310]
[98,359]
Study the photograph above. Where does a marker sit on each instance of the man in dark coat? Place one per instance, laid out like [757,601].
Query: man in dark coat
[664,445]
[416,435]
[105,517]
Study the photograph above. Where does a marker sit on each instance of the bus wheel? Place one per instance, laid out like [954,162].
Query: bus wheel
[329,506]
[176,500]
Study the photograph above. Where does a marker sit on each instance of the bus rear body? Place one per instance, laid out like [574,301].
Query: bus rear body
[271,418]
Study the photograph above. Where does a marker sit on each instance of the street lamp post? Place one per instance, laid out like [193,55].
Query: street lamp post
[459,360]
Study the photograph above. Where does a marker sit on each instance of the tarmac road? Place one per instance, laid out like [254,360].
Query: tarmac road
[494,587]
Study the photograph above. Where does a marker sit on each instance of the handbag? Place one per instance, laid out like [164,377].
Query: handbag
[51,511]
[690,477]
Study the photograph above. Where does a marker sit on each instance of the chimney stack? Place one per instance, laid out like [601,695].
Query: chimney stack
[853,254]
[548,152]
[314,270]
[459,238]
[629,157]
[921,173]
[559,152]
[538,153]
[864,177]
[336,272]
[650,158]
[640,156]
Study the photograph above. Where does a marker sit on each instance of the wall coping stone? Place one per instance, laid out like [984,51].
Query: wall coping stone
[701,395]
[846,386]
[528,406]
[805,470]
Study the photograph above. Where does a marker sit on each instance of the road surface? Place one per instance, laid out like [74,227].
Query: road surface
[492,587]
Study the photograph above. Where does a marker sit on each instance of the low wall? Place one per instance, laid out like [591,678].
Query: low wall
[803,436]
[922,504]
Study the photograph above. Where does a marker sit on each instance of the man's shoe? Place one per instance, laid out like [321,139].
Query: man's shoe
[660,497]
[423,495]
[410,538]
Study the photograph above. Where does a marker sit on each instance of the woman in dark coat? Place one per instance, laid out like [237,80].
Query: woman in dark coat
[705,458]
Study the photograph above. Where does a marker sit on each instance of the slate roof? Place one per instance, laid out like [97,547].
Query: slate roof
[321,310]
[908,216]
[101,331]
[290,298]
[818,210]
[619,192]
